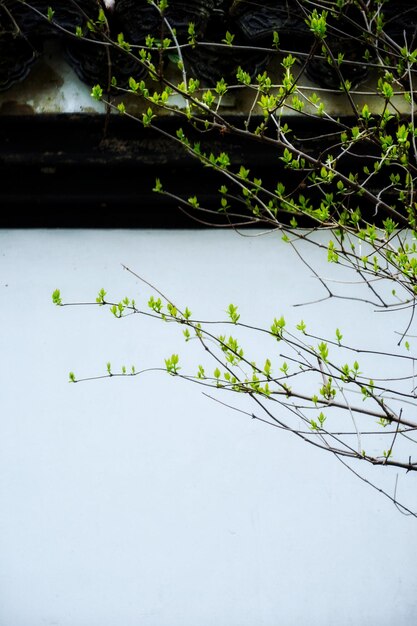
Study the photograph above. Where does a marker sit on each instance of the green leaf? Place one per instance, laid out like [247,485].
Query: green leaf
[233,314]
[191,33]
[317,23]
[148,117]
[277,327]
[101,17]
[221,87]
[284,369]
[171,364]
[122,43]
[100,297]
[323,350]
[228,39]
[97,92]
[366,114]
[56,297]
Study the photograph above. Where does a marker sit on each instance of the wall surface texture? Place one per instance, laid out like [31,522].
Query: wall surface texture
[140,501]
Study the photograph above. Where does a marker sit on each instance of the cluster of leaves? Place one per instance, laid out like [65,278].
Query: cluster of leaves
[312,381]
[366,203]
[333,188]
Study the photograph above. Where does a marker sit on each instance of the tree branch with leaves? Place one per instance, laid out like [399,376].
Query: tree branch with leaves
[356,181]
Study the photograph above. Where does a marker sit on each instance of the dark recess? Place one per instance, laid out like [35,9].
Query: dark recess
[61,171]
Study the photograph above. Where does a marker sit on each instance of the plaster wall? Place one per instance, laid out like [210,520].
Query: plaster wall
[141,501]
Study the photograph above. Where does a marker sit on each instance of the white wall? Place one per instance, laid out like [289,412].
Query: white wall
[140,501]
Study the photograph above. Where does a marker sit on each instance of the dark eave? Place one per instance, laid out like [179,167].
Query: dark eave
[61,171]
[74,167]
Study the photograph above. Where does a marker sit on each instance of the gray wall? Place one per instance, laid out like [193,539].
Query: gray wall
[140,501]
